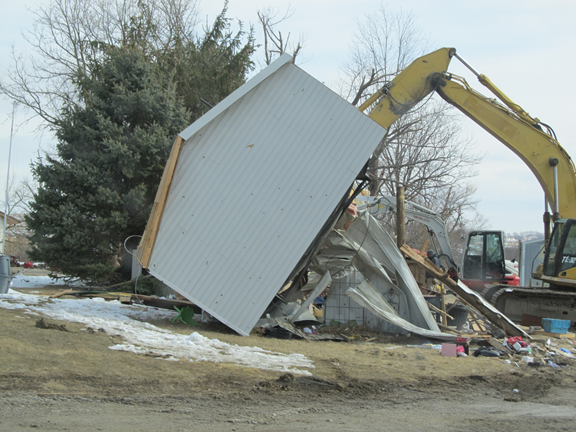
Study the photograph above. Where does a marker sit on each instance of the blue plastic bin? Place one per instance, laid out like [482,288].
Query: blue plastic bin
[555,326]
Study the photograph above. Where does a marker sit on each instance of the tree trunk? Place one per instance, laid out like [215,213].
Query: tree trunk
[400,216]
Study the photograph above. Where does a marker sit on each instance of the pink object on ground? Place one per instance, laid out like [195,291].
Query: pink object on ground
[449,349]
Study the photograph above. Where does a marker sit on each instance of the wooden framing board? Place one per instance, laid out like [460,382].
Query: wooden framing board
[144,250]
[473,299]
[437,310]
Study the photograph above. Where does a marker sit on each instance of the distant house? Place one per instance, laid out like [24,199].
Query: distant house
[11,221]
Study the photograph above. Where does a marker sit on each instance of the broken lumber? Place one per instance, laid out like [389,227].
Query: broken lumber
[448,329]
[468,296]
[498,345]
[59,294]
[437,310]
[568,335]
[444,306]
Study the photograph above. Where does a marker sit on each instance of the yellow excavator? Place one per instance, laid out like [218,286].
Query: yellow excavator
[530,139]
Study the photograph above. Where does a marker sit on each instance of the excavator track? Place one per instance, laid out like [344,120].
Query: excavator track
[514,301]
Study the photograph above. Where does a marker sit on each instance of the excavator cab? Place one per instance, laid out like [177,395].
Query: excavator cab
[484,259]
[559,262]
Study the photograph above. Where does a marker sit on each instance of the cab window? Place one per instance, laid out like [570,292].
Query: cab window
[549,264]
[568,259]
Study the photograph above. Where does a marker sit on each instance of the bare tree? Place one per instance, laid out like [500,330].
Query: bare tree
[62,42]
[424,151]
[385,43]
[275,44]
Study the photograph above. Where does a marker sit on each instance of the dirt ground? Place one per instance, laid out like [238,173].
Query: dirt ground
[67,379]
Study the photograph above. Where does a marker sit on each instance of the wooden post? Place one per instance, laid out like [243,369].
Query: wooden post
[400,216]
[424,246]
[443,305]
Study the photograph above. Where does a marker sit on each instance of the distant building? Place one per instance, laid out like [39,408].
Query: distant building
[523,236]
[16,235]
[511,242]
[10,221]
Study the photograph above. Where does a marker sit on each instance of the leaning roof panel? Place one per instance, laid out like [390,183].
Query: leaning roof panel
[256,179]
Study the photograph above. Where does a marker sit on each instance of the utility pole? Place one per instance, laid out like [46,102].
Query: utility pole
[8,182]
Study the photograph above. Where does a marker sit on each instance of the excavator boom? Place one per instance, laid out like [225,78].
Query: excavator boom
[549,162]
[530,139]
[538,150]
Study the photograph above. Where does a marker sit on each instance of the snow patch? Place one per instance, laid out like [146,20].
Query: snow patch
[131,323]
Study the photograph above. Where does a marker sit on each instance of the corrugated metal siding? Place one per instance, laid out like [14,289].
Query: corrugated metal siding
[252,189]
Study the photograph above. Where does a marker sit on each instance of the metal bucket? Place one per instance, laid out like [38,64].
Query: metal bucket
[5,274]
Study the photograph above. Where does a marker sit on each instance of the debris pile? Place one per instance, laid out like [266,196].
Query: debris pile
[298,231]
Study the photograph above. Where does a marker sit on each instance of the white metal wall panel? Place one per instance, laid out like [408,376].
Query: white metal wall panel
[252,188]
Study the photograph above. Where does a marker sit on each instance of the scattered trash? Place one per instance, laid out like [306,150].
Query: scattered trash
[565,353]
[449,349]
[311,330]
[41,323]
[528,359]
[186,315]
[507,361]
[277,332]
[515,390]
[552,364]
[516,342]
[421,346]
[484,351]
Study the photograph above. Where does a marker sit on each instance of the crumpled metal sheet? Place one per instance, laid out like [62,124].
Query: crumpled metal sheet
[366,295]
[366,232]
[366,254]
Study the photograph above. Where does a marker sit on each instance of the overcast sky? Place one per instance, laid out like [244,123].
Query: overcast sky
[527,48]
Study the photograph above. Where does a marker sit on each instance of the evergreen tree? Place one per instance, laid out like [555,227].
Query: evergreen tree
[211,66]
[111,152]
[124,103]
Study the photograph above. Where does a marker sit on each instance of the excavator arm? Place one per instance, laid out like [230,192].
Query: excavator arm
[539,151]
[529,138]
[433,221]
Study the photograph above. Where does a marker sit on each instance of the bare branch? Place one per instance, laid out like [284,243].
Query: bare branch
[425,150]
[275,44]
[63,40]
